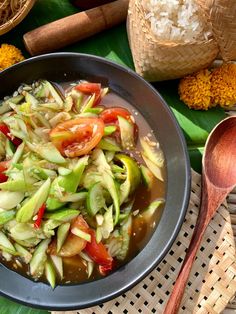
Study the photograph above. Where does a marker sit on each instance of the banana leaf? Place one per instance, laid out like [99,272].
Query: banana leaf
[196,125]
[9,307]
[113,44]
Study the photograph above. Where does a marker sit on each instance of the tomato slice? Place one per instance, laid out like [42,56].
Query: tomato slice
[73,244]
[77,137]
[90,88]
[3,167]
[98,252]
[109,115]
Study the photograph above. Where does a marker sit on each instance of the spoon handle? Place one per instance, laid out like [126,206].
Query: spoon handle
[210,201]
[174,301]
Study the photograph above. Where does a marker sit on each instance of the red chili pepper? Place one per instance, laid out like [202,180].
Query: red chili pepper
[3,167]
[40,214]
[6,131]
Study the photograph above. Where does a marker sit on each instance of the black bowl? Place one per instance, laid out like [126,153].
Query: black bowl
[61,67]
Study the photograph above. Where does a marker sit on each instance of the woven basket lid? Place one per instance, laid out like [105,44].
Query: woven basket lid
[18,17]
[157,61]
[221,15]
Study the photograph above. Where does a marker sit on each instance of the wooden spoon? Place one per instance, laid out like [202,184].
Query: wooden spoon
[218,179]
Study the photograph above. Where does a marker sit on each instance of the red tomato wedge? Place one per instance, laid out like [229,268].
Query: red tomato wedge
[90,88]
[6,131]
[77,137]
[109,115]
[73,244]
[3,167]
[98,252]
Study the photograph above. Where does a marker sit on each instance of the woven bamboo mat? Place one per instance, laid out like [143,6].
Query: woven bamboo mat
[212,283]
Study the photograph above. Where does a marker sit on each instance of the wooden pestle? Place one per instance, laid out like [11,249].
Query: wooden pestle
[68,30]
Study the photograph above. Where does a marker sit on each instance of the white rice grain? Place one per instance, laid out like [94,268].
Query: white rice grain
[177,21]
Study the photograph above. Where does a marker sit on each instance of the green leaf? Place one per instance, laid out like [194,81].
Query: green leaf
[8,307]
[196,125]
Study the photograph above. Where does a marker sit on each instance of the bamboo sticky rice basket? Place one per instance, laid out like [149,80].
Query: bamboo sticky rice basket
[221,14]
[155,60]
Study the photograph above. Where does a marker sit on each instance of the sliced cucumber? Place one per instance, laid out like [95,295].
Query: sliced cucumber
[133,176]
[6,243]
[62,233]
[39,258]
[47,151]
[14,186]
[68,104]
[9,200]
[125,233]
[147,177]
[109,144]
[87,115]
[50,273]
[107,225]
[64,171]
[31,100]
[64,214]
[156,171]
[95,199]
[26,255]
[6,216]
[10,149]
[58,264]
[100,161]
[53,92]
[77,99]
[31,207]
[74,197]
[152,151]
[25,231]
[96,110]
[5,105]
[108,130]
[126,133]
[67,183]
[110,184]
[89,103]
[18,153]
[81,234]
[151,209]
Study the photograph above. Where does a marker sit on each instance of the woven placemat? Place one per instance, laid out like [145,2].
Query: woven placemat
[212,282]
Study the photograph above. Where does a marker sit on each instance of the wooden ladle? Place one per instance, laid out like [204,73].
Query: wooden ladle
[218,179]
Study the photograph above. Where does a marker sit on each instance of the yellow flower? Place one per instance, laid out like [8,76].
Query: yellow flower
[9,55]
[195,90]
[205,89]
[223,85]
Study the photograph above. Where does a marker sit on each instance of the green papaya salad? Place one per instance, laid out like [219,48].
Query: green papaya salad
[70,169]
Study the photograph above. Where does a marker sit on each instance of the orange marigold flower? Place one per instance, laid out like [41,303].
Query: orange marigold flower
[195,90]
[223,85]
[9,55]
